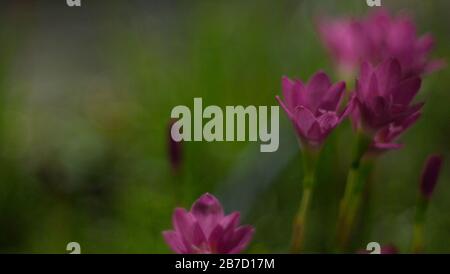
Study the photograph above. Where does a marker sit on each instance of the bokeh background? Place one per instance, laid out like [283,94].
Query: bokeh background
[85,101]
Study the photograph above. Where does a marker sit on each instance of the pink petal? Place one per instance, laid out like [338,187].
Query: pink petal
[226,225]
[298,94]
[315,133]
[373,89]
[349,109]
[174,241]
[241,238]
[188,228]
[216,240]
[288,90]
[333,97]
[387,146]
[359,90]
[366,71]
[407,90]
[353,109]
[292,92]
[328,121]
[304,119]
[388,74]
[286,109]
[221,238]
[397,128]
[231,221]
[316,89]
[434,65]
[403,114]
[379,105]
[182,219]
[410,120]
[425,43]
[287,84]
[208,211]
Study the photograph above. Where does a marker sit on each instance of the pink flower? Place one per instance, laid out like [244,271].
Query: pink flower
[347,43]
[382,99]
[205,229]
[313,108]
[430,175]
[376,38]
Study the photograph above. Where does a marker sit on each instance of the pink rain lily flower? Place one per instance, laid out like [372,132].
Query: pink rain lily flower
[313,108]
[205,229]
[347,43]
[376,38]
[382,99]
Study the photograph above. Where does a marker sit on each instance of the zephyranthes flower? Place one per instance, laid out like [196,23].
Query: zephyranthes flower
[383,98]
[376,38]
[205,229]
[313,108]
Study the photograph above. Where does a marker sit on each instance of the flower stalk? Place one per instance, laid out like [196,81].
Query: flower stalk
[309,170]
[353,192]
[429,179]
[419,221]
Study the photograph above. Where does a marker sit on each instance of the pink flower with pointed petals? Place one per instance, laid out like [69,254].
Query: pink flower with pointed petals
[347,43]
[205,229]
[383,98]
[396,37]
[376,38]
[313,108]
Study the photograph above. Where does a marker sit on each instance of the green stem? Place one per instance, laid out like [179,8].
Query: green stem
[299,224]
[417,239]
[298,231]
[352,196]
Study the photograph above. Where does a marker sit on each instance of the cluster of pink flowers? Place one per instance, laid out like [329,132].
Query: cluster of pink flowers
[380,106]
[390,59]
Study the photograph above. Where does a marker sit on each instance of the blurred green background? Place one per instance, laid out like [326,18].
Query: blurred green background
[85,101]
